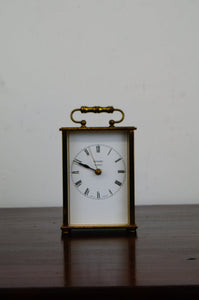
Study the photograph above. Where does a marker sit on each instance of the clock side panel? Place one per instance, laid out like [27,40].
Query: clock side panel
[132,181]
[65,185]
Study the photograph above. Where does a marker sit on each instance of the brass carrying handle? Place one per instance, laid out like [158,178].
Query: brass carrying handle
[97,109]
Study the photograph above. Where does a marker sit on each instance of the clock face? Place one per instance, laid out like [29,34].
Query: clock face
[98,178]
[98,171]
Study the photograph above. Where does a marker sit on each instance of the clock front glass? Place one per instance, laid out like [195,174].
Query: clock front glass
[98,181]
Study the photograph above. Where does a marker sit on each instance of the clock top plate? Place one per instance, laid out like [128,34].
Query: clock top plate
[123,128]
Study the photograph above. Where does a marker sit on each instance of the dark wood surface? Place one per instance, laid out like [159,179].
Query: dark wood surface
[163,258]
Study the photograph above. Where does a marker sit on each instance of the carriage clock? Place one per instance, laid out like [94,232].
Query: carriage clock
[98,175]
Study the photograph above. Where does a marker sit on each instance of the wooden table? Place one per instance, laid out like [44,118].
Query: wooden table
[160,262]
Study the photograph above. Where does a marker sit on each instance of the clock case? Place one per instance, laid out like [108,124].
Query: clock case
[66,227]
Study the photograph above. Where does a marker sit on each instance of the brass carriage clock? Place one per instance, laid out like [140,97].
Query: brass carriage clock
[98,175]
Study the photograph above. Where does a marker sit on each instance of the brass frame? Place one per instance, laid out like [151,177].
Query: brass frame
[65,133]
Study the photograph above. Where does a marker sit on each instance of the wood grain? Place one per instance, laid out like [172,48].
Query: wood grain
[163,257]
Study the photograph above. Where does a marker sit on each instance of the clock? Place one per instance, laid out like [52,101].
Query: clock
[98,175]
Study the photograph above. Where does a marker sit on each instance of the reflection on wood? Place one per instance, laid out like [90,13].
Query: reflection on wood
[99,261]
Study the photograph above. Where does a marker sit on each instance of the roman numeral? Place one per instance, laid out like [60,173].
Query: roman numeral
[121,171]
[78,183]
[75,172]
[118,182]
[86,151]
[98,195]
[86,191]
[118,159]
[109,151]
[110,192]
[98,148]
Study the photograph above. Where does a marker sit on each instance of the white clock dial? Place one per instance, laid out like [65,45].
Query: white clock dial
[98,171]
[98,178]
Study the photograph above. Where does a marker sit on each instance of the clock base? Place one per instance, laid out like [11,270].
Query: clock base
[67,230]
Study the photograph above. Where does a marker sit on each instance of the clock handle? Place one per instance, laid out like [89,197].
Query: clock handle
[97,109]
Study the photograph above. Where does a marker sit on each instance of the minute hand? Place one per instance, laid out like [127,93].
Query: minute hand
[85,166]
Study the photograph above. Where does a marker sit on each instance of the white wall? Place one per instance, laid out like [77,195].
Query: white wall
[139,55]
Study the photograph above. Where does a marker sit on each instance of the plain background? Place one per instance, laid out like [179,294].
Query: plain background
[138,55]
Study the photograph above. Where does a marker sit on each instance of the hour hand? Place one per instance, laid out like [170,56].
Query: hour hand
[97,171]
[83,165]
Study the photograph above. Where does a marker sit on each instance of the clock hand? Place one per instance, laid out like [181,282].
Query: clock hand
[97,171]
[93,158]
[84,165]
